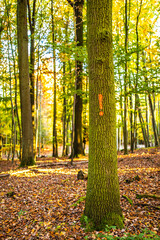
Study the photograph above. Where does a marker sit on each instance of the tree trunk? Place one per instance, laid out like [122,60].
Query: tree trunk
[147,120]
[26,115]
[159,120]
[78,147]
[64,110]
[131,122]
[37,102]
[39,117]
[145,138]
[125,132]
[0,142]
[153,121]
[13,132]
[150,105]
[32,20]
[85,118]
[1,29]
[64,93]
[102,205]
[78,13]
[55,144]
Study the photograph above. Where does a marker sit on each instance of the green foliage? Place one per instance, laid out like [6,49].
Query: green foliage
[81,199]
[87,223]
[21,212]
[145,234]
[128,199]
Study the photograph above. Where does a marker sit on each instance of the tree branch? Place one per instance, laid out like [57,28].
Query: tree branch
[70,2]
[29,15]
[34,13]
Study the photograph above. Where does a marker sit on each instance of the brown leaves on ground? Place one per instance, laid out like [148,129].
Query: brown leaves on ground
[47,202]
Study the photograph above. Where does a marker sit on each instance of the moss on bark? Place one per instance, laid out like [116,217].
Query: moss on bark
[103,199]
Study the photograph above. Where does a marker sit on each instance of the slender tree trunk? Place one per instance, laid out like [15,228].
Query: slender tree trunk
[159,120]
[78,146]
[26,115]
[15,103]
[85,118]
[67,136]
[78,13]
[73,130]
[121,104]
[64,93]
[64,110]
[147,120]
[1,29]
[12,112]
[153,121]
[32,20]
[137,76]
[13,132]
[131,119]
[37,102]
[55,144]
[102,205]
[125,132]
[0,140]
[40,112]
[69,118]
[151,105]
[146,140]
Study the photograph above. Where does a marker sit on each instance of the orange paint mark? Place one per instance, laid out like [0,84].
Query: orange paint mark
[100,98]
[101,113]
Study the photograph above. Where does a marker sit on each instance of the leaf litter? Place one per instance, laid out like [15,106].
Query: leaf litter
[48,203]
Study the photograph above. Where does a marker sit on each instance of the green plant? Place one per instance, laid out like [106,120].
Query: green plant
[87,224]
[108,228]
[144,235]
[20,213]
[81,199]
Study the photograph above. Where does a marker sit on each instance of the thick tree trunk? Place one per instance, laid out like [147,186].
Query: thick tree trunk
[103,199]
[27,131]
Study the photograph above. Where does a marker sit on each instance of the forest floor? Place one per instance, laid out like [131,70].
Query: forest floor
[47,202]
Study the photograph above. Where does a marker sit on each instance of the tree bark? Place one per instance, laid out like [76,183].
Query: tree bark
[103,199]
[55,144]
[13,132]
[78,13]
[153,120]
[26,115]
[64,110]
[125,132]
[150,105]
[64,95]
[32,20]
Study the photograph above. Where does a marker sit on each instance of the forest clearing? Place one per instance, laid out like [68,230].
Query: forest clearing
[47,201]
